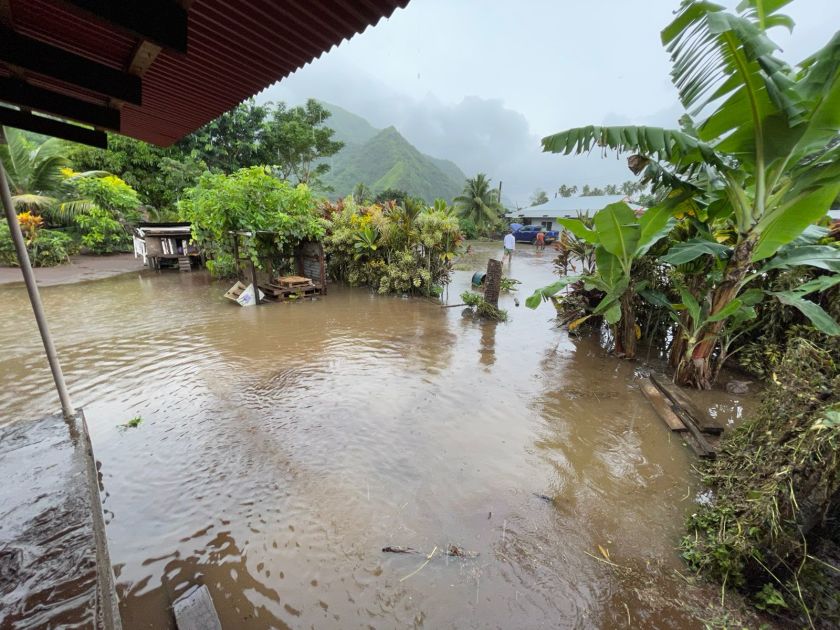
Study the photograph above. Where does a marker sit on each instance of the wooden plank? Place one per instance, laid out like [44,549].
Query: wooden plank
[194,610]
[661,406]
[684,406]
[690,433]
[293,281]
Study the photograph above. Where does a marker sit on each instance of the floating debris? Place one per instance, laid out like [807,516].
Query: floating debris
[458,552]
[397,549]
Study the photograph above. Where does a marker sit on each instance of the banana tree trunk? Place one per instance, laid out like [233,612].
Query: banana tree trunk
[695,368]
[625,329]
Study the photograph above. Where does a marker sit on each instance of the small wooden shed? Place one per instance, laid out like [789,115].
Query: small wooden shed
[309,263]
[166,244]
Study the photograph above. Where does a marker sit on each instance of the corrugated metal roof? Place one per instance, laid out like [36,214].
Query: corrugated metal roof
[235,49]
[567,206]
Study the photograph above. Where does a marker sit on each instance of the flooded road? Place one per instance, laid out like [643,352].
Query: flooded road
[282,447]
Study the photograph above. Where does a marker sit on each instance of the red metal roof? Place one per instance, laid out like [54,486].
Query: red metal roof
[234,50]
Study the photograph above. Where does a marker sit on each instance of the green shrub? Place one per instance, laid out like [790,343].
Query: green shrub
[103,209]
[468,228]
[392,248]
[48,249]
[101,232]
[482,308]
[253,200]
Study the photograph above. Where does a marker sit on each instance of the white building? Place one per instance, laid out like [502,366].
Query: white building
[563,207]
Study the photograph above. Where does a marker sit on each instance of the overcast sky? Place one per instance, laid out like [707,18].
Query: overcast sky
[481,82]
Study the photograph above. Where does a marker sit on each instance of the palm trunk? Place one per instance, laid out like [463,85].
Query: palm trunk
[696,369]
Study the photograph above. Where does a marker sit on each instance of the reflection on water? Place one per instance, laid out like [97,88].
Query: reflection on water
[283,446]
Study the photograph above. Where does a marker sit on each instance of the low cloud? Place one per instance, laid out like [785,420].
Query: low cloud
[478,134]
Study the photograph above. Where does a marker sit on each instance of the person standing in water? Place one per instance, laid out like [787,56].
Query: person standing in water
[510,245]
[539,241]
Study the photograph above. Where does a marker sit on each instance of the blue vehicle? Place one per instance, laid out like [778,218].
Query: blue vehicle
[528,233]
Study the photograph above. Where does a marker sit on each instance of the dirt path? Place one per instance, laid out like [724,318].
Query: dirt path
[79,269]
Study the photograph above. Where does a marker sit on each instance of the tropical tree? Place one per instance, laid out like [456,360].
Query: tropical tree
[762,158]
[231,141]
[538,198]
[479,202]
[566,191]
[295,141]
[33,170]
[159,175]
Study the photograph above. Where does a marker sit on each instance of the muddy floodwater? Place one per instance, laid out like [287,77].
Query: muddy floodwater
[282,447]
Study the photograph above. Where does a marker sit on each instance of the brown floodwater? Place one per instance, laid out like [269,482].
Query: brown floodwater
[282,447]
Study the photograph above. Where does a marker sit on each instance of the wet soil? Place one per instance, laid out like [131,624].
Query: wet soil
[283,447]
[78,269]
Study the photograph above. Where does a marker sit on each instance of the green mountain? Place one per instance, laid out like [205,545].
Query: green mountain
[384,159]
[348,127]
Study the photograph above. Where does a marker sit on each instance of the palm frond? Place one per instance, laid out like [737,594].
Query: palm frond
[29,202]
[670,145]
[65,212]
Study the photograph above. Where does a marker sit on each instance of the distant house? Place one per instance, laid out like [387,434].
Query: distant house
[562,207]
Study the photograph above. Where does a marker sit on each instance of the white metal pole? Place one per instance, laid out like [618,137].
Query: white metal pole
[34,296]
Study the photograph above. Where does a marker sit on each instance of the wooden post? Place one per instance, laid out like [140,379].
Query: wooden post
[493,282]
[322,264]
[256,286]
[236,254]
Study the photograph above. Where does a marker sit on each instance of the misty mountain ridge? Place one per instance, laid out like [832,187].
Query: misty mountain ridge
[383,158]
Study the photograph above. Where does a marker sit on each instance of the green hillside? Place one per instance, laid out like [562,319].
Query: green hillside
[384,159]
[348,127]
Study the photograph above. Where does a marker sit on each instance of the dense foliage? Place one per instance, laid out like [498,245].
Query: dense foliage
[393,248]
[736,259]
[294,140]
[32,170]
[774,527]
[250,200]
[746,181]
[46,248]
[103,208]
[158,175]
[93,209]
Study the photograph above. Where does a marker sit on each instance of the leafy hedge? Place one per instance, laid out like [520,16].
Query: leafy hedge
[49,248]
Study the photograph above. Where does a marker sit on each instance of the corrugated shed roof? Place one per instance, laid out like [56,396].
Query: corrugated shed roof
[567,206]
[234,50]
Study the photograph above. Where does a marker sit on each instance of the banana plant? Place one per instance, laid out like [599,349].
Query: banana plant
[620,239]
[764,155]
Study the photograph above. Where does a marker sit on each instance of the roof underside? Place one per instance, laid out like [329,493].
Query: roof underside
[234,49]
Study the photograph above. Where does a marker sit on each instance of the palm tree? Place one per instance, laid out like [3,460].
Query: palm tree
[479,202]
[33,171]
[761,161]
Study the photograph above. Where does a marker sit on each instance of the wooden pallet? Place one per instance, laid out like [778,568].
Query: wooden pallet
[293,281]
[277,292]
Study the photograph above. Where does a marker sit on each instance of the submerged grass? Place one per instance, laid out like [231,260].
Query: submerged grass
[772,530]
